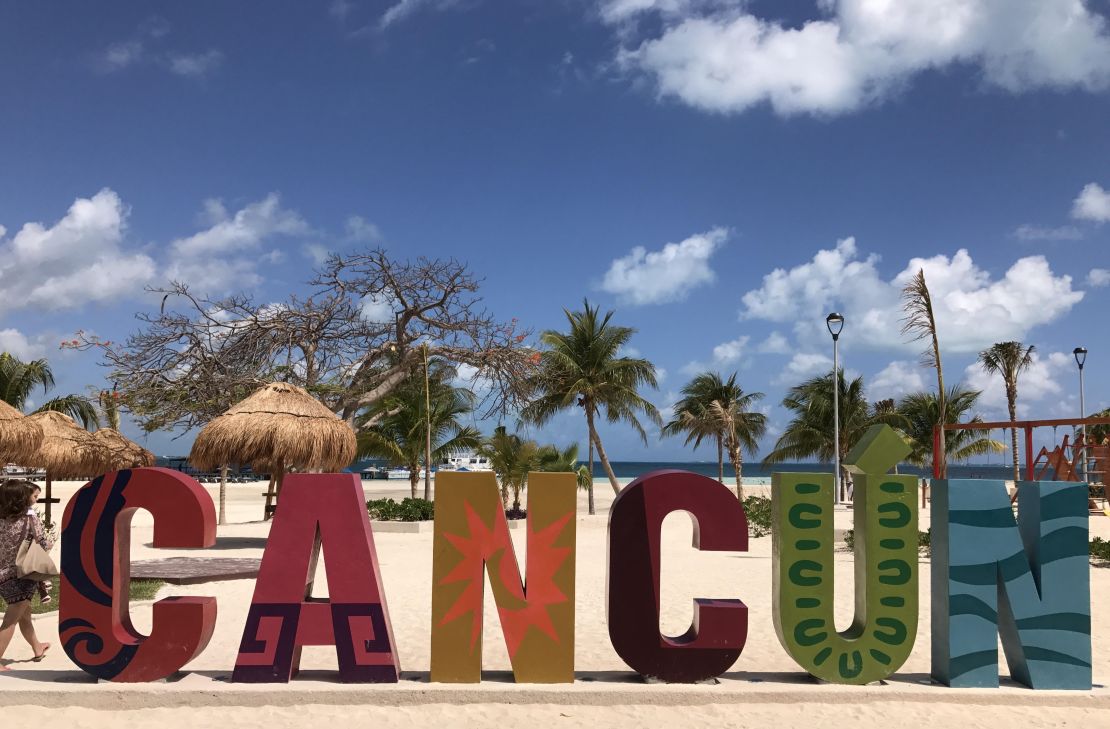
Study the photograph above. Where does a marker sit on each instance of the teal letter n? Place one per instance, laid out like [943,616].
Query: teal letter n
[1027,581]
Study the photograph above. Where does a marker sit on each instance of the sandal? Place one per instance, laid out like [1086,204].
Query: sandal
[40,656]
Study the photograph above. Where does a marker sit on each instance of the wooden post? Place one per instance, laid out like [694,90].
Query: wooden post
[937,430]
[1028,454]
[48,500]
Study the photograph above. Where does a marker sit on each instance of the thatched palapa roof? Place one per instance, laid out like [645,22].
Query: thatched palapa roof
[67,450]
[20,436]
[279,425]
[118,452]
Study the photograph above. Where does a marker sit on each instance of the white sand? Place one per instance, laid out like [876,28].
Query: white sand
[764,686]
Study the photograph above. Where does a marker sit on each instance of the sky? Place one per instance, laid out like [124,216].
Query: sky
[721,173]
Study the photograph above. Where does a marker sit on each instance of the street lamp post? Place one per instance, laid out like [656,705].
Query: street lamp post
[1081,358]
[835,323]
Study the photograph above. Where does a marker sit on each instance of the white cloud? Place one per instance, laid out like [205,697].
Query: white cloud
[76,261]
[215,276]
[1035,385]
[316,252]
[195,65]
[406,8]
[1035,233]
[803,366]
[218,258]
[360,230]
[119,56]
[895,380]
[340,9]
[1098,277]
[720,57]
[775,343]
[972,309]
[660,375]
[730,352]
[15,343]
[244,231]
[377,309]
[3,231]
[724,354]
[1093,203]
[666,275]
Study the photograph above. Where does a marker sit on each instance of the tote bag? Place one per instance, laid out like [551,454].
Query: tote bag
[32,562]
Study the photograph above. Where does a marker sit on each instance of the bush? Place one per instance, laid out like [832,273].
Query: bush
[516,514]
[924,540]
[408,510]
[758,510]
[1100,549]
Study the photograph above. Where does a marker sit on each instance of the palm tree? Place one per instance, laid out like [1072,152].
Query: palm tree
[1009,359]
[692,418]
[919,321]
[19,379]
[554,460]
[582,367]
[720,408]
[400,421]
[1098,434]
[922,413]
[109,406]
[810,432]
[511,458]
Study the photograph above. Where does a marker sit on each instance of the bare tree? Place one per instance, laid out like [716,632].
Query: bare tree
[432,304]
[195,357]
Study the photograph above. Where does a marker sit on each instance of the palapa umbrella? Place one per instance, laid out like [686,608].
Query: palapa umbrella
[67,450]
[20,436]
[279,427]
[118,452]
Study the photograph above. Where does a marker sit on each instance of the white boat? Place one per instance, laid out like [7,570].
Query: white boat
[465,461]
[403,473]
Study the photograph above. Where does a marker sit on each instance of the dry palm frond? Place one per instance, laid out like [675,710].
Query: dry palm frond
[118,453]
[20,436]
[919,320]
[280,424]
[67,451]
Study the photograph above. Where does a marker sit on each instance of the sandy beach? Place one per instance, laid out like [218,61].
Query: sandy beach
[764,686]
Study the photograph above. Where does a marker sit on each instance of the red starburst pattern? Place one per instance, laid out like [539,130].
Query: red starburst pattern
[517,607]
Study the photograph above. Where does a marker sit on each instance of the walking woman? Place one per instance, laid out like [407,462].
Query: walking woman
[16,526]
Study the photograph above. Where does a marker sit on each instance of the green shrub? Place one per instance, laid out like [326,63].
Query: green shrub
[1100,549]
[924,540]
[758,510]
[408,510]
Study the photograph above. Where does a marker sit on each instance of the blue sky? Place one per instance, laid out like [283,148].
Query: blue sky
[722,173]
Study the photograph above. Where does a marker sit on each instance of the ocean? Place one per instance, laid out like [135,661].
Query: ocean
[754,472]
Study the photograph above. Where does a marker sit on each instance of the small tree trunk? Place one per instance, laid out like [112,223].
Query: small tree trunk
[596,440]
[428,483]
[266,513]
[1014,442]
[590,485]
[720,459]
[414,477]
[223,495]
[738,466]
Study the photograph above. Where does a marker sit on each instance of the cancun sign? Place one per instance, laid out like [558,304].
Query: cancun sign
[1025,579]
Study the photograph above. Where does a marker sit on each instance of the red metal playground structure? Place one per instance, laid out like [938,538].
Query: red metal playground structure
[1081,459]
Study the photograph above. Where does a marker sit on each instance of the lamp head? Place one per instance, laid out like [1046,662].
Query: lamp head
[835,323]
[1080,356]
